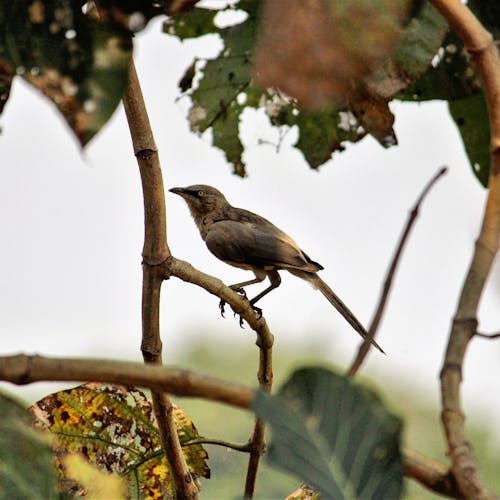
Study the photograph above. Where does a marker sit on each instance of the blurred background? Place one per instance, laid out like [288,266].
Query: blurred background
[71,233]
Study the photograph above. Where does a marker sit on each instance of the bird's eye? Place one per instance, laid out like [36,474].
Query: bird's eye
[201,194]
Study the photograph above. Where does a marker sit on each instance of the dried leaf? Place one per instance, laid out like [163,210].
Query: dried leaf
[313,49]
[114,428]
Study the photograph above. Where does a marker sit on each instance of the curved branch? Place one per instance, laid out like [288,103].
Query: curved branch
[483,50]
[265,340]
[379,311]
[186,272]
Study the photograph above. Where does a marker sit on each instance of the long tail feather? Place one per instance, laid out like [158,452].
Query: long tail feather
[336,302]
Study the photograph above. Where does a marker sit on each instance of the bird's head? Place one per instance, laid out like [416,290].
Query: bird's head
[201,199]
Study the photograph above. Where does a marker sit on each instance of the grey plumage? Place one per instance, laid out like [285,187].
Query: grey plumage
[246,240]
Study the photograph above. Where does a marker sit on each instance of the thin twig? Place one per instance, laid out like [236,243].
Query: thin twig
[372,330]
[155,251]
[489,336]
[257,440]
[244,448]
[482,49]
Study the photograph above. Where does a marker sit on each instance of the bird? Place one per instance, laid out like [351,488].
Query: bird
[248,241]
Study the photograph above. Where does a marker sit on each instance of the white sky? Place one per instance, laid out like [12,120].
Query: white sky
[71,235]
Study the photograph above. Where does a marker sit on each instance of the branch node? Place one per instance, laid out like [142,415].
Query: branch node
[145,154]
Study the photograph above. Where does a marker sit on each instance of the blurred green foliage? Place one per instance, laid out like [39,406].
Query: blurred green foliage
[423,430]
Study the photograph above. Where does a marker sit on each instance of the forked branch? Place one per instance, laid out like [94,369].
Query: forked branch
[23,369]
[155,252]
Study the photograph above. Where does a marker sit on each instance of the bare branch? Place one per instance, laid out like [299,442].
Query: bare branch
[186,272]
[22,369]
[490,336]
[265,340]
[372,330]
[434,475]
[245,448]
[479,42]
[155,251]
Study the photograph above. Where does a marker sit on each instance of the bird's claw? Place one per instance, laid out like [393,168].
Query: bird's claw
[222,305]
[240,291]
[258,314]
[258,311]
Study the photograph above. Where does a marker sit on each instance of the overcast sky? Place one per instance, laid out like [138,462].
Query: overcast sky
[71,235]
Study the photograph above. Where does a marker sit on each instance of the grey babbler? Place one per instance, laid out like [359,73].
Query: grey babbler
[246,240]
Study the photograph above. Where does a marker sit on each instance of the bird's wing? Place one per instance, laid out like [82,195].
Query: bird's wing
[246,243]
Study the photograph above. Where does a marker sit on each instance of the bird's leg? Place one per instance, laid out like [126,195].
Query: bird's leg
[275,280]
[239,288]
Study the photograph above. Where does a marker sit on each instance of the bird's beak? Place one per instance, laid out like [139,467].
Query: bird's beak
[179,191]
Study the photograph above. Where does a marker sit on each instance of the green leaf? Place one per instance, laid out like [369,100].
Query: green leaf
[226,88]
[334,435]
[81,65]
[488,13]
[114,428]
[26,462]
[451,78]
[471,117]
[320,133]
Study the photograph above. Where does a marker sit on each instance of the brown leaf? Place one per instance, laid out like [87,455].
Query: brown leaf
[312,49]
[374,115]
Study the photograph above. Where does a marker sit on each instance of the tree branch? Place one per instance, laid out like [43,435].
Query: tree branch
[434,475]
[265,340]
[484,52]
[186,272]
[155,251]
[245,448]
[489,336]
[257,442]
[22,369]
[372,330]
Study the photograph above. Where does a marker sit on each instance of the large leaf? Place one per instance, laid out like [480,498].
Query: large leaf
[313,50]
[334,435]
[417,46]
[81,65]
[114,427]
[26,466]
[226,88]
[471,116]
[454,77]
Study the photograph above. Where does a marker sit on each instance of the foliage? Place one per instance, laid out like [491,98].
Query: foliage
[334,435]
[25,456]
[80,62]
[114,428]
